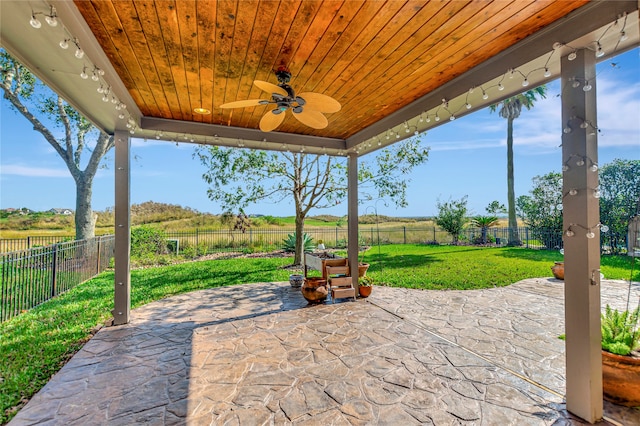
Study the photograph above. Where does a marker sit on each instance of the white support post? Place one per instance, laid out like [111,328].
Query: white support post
[122,291]
[352,211]
[581,237]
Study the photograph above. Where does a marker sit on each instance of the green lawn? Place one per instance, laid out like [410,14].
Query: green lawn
[36,344]
[468,267]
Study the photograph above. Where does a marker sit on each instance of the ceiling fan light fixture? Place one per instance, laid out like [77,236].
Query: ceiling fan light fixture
[201,110]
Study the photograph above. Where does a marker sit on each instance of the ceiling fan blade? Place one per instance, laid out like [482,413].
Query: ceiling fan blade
[320,102]
[311,118]
[242,104]
[270,121]
[270,88]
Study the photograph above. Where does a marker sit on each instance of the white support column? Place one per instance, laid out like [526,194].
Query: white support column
[352,211]
[581,237]
[122,293]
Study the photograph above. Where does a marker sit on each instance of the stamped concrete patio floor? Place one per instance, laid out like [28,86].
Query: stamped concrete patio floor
[257,354]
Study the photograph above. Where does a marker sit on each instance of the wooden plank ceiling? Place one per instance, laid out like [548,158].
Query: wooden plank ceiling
[374,57]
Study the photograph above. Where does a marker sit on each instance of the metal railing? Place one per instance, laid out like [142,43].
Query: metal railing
[15,244]
[202,241]
[33,276]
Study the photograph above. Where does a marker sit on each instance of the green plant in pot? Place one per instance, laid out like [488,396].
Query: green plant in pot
[620,356]
[366,285]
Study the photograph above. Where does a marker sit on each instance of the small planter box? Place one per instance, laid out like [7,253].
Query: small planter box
[320,262]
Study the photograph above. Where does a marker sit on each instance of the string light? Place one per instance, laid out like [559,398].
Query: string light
[570,232]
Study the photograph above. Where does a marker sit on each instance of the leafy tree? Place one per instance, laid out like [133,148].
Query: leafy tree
[510,109]
[619,199]
[238,177]
[452,217]
[541,211]
[495,208]
[81,144]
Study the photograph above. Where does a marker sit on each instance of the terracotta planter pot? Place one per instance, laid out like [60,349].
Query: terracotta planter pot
[362,269]
[365,291]
[621,379]
[558,270]
[314,290]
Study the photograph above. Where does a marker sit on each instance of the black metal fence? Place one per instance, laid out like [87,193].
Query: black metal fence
[202,241]
[15,244]
[32,276]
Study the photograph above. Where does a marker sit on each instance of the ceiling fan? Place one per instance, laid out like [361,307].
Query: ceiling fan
[307,107]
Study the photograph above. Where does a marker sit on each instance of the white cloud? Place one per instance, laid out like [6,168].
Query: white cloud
[20,170]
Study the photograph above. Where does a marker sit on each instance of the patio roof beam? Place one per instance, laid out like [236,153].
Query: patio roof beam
[122,273]
[237,133]
[581,218]
[575,25]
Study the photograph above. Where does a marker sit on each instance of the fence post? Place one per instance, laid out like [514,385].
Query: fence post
[250,237]
[54,271]
[197,245]
[28,242]
[336,237]
[98,256]
[404,233]
[526,235]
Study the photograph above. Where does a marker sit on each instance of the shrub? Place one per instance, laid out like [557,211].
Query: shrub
[289,243]
[148,241]
[620,334]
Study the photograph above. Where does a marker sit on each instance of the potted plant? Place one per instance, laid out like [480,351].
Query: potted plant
[365,286]
[620,356]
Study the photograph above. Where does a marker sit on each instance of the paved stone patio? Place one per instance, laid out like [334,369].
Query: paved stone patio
[257,354]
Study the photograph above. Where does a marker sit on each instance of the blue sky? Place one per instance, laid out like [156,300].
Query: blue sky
[468,157]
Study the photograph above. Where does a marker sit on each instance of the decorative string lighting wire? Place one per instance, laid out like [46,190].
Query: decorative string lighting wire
[445,110]
[88,70]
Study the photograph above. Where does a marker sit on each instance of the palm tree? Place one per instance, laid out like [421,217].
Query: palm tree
[484,223]
[510,109]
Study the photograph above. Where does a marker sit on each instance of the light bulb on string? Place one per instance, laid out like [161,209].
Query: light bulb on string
[467,105]
[64,44]
[500,87]
[580,162]
[485,95]
[79,53]
[569,233]
[593,167]
[573,192]
[572,56]
[437,117]
[453,117]
[587,87]
[525,82]
[590,235]
[603,228]
[596,193]
[599,51]
[575,84]
[121,116]
[623,36]
[34,21]
[547,73]
[84,74]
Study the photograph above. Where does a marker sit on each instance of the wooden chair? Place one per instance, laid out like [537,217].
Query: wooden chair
[341,286]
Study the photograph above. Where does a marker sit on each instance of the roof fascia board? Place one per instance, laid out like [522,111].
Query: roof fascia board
[75,23]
